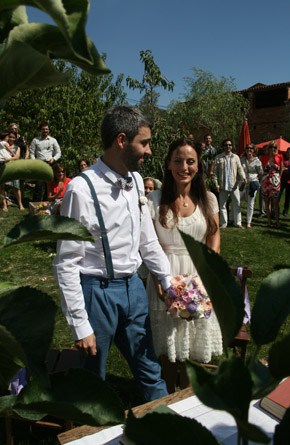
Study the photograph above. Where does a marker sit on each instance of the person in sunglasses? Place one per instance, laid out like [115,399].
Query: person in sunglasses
[228,173]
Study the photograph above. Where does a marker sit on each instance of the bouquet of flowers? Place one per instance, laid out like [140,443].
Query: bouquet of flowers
[187,298]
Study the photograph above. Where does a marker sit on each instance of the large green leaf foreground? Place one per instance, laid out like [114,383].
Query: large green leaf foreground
[27,48]
[47,227]
[77,395]
[27,169]
[220,285]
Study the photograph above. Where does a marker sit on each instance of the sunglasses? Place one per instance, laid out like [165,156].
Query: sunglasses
[228,145]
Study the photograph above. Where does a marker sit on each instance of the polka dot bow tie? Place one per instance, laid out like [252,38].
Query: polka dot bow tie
[125,183]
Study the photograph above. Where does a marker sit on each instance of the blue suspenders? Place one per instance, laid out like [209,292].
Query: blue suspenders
[104,236]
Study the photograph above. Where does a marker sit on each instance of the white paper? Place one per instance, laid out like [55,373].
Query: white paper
[220,423]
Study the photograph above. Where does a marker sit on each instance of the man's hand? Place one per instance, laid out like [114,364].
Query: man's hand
[87,345]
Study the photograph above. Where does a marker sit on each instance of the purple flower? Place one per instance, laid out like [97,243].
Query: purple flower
[191,307]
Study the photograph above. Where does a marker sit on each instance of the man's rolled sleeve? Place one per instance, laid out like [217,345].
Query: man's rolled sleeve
[67,264]
[68,278]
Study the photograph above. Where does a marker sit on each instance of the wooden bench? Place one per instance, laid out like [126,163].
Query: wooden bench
[86,430]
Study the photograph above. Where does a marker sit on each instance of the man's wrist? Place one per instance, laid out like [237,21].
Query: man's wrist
[166,282]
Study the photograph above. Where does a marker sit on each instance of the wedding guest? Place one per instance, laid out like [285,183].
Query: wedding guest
[151,184]
[261,202]
[47,149]
[19,141]
[24,150]
[209,149]
[182,203]
[83,164]
[253,170]
[6,154]
[15,184]
[228,172]
[57,188]
[208,154]
[285,182]
[103,298]
[273,166]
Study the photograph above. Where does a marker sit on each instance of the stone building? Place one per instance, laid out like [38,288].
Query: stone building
[269,114]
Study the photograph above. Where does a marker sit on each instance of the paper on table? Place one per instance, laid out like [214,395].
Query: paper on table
[220,423]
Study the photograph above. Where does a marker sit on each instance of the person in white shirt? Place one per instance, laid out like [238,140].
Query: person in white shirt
[6,154]
[228,171]
[103,298]
[47,149]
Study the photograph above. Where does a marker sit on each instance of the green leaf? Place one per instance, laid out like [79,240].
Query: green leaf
[279,358]
[77,394]
[230,389]
[263,381]
[220,285]
[27,48]
[10,18]
[47,227]
[28,315]
[252,432]
[12,357]
[282,430]
[6,405]
[48,39]
[167,429]
[271,307]
[29,169]
[70,17]
[34,70]
[6,286]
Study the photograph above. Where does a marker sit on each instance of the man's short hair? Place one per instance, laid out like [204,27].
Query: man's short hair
[122,119]
[43,124]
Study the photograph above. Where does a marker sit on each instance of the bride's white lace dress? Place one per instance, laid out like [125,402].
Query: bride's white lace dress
[176,338]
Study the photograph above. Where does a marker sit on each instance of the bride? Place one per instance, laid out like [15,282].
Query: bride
[182,203]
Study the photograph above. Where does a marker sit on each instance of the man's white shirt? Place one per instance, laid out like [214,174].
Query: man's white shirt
[45,149]
[130,233]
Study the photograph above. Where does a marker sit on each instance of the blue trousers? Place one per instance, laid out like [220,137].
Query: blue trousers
[118,312]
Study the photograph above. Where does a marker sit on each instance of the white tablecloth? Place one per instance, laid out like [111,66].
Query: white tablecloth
[220,423]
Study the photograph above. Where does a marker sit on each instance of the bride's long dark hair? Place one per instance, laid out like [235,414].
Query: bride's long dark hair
[198,191]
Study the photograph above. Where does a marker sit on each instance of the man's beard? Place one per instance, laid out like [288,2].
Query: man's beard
[131,159]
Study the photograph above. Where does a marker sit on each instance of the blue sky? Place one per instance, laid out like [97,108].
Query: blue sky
[248,40]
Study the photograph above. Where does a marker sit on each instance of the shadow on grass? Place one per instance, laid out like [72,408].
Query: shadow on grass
[126,389]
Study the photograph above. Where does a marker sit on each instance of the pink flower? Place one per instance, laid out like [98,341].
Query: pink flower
[186,298]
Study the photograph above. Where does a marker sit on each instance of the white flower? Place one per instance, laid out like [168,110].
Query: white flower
[143,200]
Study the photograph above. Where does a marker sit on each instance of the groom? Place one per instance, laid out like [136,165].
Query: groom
[103,298]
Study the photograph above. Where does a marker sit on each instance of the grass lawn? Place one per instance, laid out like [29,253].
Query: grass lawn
[262,249]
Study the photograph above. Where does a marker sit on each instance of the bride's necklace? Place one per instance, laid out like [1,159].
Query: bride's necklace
[184,203]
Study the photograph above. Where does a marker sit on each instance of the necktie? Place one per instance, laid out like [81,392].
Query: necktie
[125,183]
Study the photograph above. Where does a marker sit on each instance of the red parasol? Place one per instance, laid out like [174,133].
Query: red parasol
[244,139]
[281,144]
